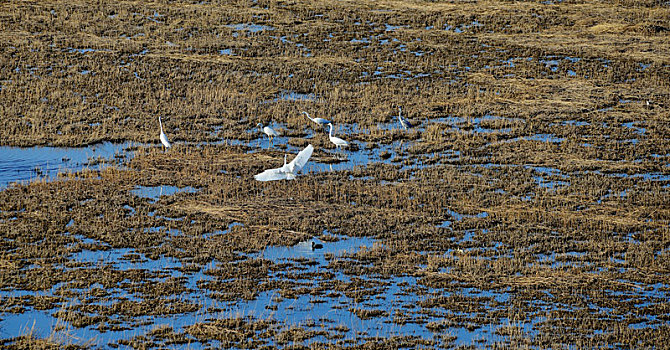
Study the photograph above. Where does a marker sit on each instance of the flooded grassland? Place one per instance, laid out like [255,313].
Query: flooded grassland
[529,207]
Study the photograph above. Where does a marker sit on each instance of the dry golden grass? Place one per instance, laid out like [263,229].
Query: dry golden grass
[536,145]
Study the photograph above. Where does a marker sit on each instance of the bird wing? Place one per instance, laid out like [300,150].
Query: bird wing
[270,131]
[405,122]
[301,159]
[339,141]
[271,175]
[288,171]
[164,140]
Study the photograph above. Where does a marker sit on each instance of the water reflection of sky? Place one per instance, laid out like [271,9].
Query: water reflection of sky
[395,296]
[18,164]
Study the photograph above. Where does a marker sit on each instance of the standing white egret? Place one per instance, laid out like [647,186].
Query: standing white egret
[288,171]
[338,142]
[268,131]
[404,122]
[163,137]
[317,120]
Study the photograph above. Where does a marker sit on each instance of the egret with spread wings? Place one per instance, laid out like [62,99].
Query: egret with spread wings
[287,171]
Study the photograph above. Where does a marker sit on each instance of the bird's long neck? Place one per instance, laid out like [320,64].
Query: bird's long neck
[285,155]
[307,114]
[160,123]
[399,111]
[330,133]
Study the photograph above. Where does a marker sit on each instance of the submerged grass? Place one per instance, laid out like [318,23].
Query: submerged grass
[529,208]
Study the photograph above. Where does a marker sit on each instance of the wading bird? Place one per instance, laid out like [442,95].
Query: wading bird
[319,121]
[268,131]
[338,142]
[163,137]
[404,122]
[287,171]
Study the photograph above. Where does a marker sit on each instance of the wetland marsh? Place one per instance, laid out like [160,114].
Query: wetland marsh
[529,207]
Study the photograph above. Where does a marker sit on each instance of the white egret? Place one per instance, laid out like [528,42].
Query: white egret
[338,142]
[163,137]
[287,171]
[317,120]
[404,122]
[268,131]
